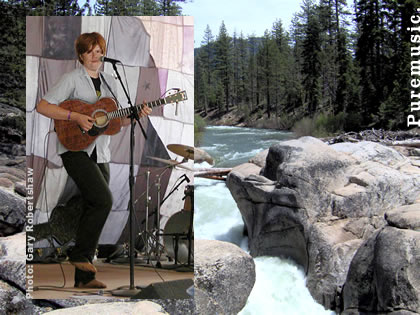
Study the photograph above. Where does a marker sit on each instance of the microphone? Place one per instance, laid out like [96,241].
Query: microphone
[106,59]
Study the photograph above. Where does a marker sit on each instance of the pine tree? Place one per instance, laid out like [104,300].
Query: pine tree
[253,99]
[103,7]
[311,58]
[208,52]
[296,92]
[169,7]
[118,7]
[371,54]
[268,60]
[149,8]
[87,9]
[282,66]
[57,7]
[206,59]
[200,86]
[240,56]
[242,69]
[223,59]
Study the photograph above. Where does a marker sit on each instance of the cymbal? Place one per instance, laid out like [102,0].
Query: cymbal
[170,162]
[182,150]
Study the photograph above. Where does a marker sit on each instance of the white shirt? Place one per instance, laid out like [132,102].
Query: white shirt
[78,85]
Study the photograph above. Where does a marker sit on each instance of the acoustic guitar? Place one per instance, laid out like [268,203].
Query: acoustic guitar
[107,119]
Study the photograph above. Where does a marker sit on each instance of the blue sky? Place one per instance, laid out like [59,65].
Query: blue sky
[248,16]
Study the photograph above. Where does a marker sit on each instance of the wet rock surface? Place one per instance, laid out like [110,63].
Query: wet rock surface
[224,277]
[319,204]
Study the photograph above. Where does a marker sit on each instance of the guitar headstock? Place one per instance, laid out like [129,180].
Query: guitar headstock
[177,97]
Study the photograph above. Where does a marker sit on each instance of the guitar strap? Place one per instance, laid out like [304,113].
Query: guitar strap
[109,88]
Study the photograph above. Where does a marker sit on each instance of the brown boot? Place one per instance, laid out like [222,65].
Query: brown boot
[85,266]
[93,284]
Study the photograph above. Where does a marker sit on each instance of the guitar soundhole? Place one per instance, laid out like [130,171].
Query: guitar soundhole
[101,120]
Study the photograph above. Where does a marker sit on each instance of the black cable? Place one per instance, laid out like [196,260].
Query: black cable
[51,240]
[49,287]
[154,267]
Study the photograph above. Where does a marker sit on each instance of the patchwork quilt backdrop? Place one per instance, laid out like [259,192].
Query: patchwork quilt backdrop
[158,55]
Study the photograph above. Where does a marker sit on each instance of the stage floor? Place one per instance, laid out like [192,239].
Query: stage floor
[114,276]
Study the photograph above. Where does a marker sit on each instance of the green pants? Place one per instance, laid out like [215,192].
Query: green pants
[92,179]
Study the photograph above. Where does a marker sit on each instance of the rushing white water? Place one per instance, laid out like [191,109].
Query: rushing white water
[280,283]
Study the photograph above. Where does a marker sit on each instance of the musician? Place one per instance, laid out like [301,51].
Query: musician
[88,168]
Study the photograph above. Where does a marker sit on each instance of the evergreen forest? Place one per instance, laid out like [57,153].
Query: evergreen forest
[342,65]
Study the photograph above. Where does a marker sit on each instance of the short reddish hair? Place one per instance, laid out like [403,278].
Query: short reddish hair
[87,41]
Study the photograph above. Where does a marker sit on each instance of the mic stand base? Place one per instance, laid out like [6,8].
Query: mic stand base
[126,260]
[179,267]
[125,292]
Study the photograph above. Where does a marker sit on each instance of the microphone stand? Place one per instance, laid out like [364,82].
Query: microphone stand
[132,291]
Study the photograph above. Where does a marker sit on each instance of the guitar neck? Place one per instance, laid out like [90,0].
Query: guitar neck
[124,112]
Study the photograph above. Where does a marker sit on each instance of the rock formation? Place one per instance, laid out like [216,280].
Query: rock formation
[201,156]
[12,275]
[12,189]
[224,277]
[318,204]
[143,307]
[384,273]
[12,131]
[12,213]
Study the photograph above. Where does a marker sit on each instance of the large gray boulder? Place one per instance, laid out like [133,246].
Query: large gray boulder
[405,217]
[12,275]
[14,301]
[223,279]
[384,273]
[13,260]
[171,306]
[317,204]
[118,308]
[201,156]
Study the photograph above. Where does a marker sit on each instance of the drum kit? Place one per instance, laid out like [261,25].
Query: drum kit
[178,233]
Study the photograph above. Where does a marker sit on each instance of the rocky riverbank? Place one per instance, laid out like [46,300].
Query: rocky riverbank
[349,213]
[12,169]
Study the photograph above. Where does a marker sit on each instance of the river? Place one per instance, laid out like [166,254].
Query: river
[280,283]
